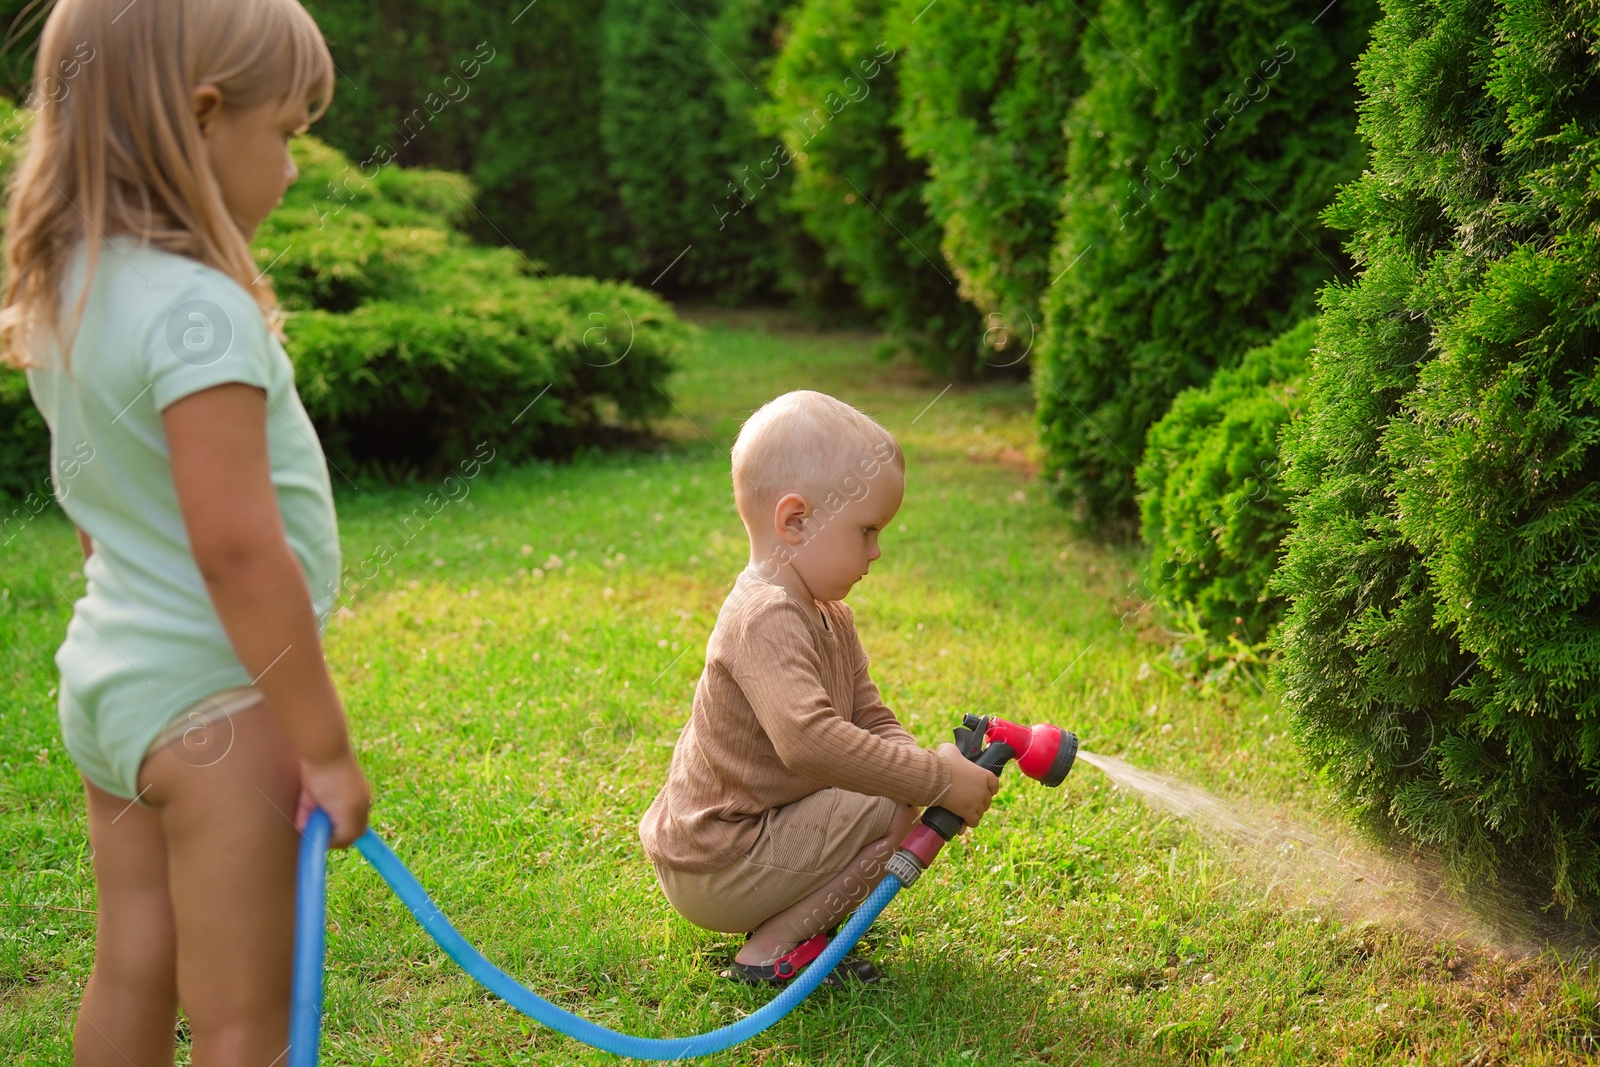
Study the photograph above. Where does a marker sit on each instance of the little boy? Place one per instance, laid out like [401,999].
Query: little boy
[792,784]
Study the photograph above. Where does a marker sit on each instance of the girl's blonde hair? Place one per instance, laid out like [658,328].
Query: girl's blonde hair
[119,150]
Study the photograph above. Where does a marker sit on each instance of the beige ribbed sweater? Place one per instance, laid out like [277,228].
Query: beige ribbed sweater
[784,707]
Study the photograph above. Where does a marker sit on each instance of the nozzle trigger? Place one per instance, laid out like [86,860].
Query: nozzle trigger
[970,735]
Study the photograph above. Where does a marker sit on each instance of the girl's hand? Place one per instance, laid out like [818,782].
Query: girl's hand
[971,790]
[338,787]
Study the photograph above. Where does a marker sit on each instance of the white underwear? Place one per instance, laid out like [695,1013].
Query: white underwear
[203,713]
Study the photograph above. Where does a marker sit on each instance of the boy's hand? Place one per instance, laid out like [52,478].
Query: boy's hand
[971,787]
[338,787]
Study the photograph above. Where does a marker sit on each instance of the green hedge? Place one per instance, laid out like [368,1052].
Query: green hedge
[1213,506]
[505,94]
[400,386]
[24,441]
[1441,655]
[745,39]
[1208,140]
[833,100]
[674,155]
[984,88]
[24,438]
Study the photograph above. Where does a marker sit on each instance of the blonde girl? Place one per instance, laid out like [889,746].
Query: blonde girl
[194,697]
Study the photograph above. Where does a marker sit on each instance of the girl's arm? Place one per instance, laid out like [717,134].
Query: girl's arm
[217,440]
[84,542]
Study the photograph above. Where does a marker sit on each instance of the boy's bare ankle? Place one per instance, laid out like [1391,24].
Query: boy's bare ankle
[762,951]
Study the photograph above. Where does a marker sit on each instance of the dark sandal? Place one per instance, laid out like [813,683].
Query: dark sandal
[780,970]
[855,969]
[783,969]
[852,967]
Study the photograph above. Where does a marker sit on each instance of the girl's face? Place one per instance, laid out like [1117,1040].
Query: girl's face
[249,153]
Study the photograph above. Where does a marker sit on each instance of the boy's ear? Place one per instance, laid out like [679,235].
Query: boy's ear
[788,518]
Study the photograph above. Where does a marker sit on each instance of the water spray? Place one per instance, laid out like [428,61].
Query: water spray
[1328,867]
[1044,753]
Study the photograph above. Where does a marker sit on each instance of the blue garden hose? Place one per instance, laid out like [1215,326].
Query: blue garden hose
[305,1026]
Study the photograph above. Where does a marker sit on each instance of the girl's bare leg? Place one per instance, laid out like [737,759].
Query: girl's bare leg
[130,1005]
[227,806]
[814,913]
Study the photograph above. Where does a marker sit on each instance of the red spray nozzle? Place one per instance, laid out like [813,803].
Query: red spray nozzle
[1044,752]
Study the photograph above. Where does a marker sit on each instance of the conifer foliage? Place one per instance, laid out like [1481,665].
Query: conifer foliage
[1210,136]
[1212,505]
[983,92]
[833,98]
[672,146]
[1442,652]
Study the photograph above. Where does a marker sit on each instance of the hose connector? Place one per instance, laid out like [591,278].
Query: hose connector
[914,855]
[905,866]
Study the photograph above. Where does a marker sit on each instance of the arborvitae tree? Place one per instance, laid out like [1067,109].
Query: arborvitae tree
[505,94]
[984,88]
[513,96]
[833,103]
[1210,137]
[1442,652]
[746,37]
[1213,506]
[665,127]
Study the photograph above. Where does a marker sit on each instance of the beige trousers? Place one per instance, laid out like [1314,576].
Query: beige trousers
[801,846]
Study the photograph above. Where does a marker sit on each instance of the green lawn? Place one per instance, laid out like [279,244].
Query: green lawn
[515,679]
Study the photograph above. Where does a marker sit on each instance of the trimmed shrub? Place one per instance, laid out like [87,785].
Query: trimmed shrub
[339,239]
[400,385]
[665,127]
[411,344]
[857,192]
[24,440]
[984,88]
[1198,158]
[1212,505]
[1441,654]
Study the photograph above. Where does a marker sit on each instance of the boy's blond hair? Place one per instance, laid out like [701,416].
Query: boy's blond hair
[809,443]
[113,145]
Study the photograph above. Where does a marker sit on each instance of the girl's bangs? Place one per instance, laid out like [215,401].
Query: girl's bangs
[310,75]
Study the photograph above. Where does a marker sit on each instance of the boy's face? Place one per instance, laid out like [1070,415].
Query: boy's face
[838,548]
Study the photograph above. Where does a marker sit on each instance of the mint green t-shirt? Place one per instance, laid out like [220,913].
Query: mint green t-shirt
[144,641]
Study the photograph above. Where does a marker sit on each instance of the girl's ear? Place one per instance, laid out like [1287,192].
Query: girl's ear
[789,518]
[207,105]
